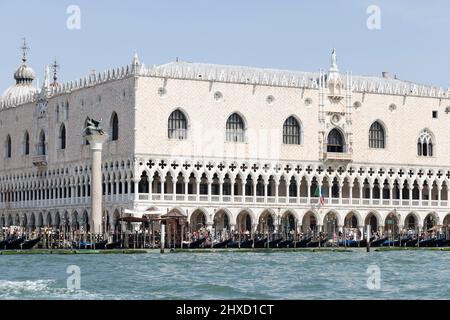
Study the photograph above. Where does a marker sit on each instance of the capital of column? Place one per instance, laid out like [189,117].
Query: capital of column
[96,141]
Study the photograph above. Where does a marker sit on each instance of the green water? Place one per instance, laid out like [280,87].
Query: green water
[229,275]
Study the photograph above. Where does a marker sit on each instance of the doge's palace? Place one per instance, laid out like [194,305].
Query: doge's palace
[229,147]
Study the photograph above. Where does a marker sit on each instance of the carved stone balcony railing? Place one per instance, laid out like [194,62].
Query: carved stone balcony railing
[338,156]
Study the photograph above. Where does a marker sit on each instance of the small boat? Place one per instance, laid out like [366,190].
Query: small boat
[315,243]
[428,243]
[15,244]
[247,243]
[286,244]
[222,244]
[302,243]
[196,244]
[353,243]
[261,243]
[411,243]
[100,245]
[442,242]
[378,242]
[391,243]
[113,245]
[3,244]
[233,244]
[29,244]
[274,243]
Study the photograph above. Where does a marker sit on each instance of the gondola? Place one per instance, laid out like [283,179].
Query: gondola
[113,245]
[378,242]
[29,244]
[275,243]
[222,244]
[100,245]
[15,244]
[391,243]
[302,243]
[442,242]
[411,243]
[3,244]
[247,244]
[261,243]
[428,243]
[315,244]
[353,243]
[286,244]
[233,244]
[197,243]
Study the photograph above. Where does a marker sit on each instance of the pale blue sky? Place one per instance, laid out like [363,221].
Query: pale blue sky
[413,41]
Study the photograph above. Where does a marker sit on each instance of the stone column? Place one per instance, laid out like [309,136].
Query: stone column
[266,185]
[391,194]
[439,196]
[277,183]
[96,142]
[221,189]
[410,194]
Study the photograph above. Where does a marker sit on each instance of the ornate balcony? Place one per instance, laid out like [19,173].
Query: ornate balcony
[40,160]
[338,156]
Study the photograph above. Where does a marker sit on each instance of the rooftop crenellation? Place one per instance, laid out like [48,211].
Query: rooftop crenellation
[234,74]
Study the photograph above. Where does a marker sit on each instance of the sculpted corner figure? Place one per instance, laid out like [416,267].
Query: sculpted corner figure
[93,126]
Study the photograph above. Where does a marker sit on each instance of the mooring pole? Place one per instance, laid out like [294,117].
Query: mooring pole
[163,237]
[368,238]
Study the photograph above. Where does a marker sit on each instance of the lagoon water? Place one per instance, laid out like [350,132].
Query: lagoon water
[229,275]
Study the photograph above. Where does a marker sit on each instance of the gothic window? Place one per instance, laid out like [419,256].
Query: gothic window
[114,127]
[85,141]
[425,144]
[26,143]
[376,136]
[291,131]
[177,128]
[41,145]
[66,115]
[62,137]
[143,186]
[335,141]
[8,146]
[235,129]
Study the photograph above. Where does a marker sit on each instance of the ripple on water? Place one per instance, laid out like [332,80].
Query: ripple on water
[44,289]
[227,275]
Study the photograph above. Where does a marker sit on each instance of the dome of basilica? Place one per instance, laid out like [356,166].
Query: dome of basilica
[24,77]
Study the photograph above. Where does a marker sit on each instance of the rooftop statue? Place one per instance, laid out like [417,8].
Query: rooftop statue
[93,127]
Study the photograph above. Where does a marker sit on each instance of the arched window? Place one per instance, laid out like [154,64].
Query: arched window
[8,146]
[425,144]
[177,128]
[291,131]
[376,136]
[335,142]
[235,128]
[62,137]
[86,141]
[41,146]
[114,127]
[26,143]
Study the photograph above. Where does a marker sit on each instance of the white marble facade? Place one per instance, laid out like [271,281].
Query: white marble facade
[227,145]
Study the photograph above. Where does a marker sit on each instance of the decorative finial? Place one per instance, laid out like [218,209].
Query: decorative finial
[46,77]
[334,66]
[25,49]
[55,68]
